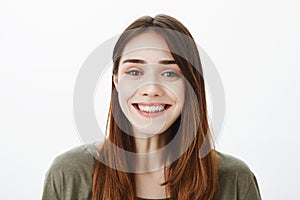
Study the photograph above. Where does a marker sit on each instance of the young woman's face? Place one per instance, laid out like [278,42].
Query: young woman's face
[150,85]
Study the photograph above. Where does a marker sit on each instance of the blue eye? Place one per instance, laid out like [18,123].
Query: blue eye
[172,74]
[134,72]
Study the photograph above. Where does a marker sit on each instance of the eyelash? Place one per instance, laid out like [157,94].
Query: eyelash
[174,73]
[129,72]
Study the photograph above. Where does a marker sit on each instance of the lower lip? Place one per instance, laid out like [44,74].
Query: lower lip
[151,114]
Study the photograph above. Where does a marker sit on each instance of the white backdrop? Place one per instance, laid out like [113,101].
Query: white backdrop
[254,45]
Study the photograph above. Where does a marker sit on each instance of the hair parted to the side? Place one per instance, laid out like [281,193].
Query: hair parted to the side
[190,176]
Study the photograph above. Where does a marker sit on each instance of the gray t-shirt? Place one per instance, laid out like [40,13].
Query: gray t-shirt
[70,177]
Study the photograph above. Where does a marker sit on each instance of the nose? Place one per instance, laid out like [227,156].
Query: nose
[151,90]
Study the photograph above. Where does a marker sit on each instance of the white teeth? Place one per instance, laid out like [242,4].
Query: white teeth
[151,108]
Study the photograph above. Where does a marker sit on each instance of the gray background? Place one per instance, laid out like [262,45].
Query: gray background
[254,45]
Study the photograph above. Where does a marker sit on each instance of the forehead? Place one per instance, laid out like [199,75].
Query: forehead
[149,46]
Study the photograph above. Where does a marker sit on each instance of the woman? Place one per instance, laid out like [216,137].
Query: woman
[158,105]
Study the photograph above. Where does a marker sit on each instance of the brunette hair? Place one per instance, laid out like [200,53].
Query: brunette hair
[190,176]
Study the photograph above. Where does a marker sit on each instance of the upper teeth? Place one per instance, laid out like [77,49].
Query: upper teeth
[151,108]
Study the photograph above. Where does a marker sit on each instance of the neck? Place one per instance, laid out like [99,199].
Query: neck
[150,144]
[151,156]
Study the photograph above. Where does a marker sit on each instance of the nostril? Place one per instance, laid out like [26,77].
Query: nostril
[151,90]
[149,94]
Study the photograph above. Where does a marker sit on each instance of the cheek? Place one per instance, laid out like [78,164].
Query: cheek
[178,92]
[126,89]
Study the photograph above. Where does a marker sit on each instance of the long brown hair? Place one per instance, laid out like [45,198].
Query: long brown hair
[190,176]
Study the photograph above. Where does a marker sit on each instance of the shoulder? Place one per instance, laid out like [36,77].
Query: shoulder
[80,156]
[78,162]
[236,179]
[228,164]
[71,174]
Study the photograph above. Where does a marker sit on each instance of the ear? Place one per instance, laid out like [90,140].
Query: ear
[115,79]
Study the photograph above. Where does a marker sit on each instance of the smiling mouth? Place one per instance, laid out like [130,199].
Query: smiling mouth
[154,108]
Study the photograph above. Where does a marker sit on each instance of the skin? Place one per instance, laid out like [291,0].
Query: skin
[147,73]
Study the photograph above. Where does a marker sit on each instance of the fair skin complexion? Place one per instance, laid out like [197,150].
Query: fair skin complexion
[149,79]
[149,75]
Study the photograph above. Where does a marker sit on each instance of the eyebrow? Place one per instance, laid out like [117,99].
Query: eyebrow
[140,61]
